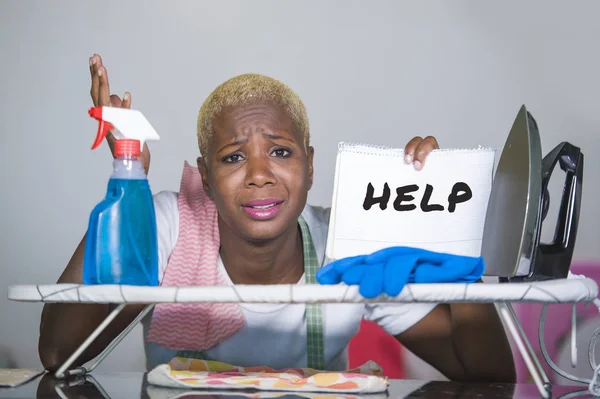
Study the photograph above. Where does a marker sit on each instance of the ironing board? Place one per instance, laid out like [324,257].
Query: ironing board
[528,270]
[552,291]
[502,294]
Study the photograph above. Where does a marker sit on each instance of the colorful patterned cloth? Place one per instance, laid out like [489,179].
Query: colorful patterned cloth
[203,374]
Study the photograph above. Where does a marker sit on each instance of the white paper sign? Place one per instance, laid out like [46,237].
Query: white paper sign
[379,201]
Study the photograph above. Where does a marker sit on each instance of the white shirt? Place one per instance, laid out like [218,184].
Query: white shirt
[275,334]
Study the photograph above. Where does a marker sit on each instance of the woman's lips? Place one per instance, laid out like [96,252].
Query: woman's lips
[262,209]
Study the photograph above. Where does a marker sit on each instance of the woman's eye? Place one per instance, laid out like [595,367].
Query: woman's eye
[233,158]
[281,153]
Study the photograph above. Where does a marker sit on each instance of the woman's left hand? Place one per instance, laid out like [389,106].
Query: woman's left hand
[418,149]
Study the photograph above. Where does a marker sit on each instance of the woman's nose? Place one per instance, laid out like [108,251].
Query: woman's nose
[259,172]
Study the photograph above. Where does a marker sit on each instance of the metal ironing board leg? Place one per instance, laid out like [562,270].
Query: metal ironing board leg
[532,353]
[531,366]
[58,388]
[62,371]
[96,361]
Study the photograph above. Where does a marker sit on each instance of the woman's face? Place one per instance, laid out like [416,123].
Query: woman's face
[257,171]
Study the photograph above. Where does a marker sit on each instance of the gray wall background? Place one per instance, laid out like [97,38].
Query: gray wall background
[377,72]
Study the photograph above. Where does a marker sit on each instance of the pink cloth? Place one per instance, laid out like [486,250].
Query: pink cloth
[193,263]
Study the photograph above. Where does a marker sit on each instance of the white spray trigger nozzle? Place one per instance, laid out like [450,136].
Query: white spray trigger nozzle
[125,124]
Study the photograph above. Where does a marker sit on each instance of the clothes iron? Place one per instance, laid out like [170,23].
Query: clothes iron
[519,203]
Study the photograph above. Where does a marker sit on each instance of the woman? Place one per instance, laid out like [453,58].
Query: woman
[249,221]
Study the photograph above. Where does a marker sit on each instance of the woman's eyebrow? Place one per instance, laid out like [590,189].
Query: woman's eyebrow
[276,137]
[234,143]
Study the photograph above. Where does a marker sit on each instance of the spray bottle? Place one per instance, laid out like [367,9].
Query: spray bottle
[121,243]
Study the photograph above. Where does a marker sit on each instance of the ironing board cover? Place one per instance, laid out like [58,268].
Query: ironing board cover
[552,291]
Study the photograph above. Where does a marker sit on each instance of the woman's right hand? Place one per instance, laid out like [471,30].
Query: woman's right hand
[101,96]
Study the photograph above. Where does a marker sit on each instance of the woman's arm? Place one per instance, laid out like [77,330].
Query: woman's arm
[463,341]
[65,326]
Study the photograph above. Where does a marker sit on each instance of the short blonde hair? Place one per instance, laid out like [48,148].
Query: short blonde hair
[247,89]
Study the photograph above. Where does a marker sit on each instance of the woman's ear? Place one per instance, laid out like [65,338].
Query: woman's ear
[310,154]
[203,169]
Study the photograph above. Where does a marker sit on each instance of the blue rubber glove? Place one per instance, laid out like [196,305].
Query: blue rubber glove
[390,269]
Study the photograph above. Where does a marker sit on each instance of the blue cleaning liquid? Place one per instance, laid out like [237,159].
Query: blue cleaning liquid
[121,244]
